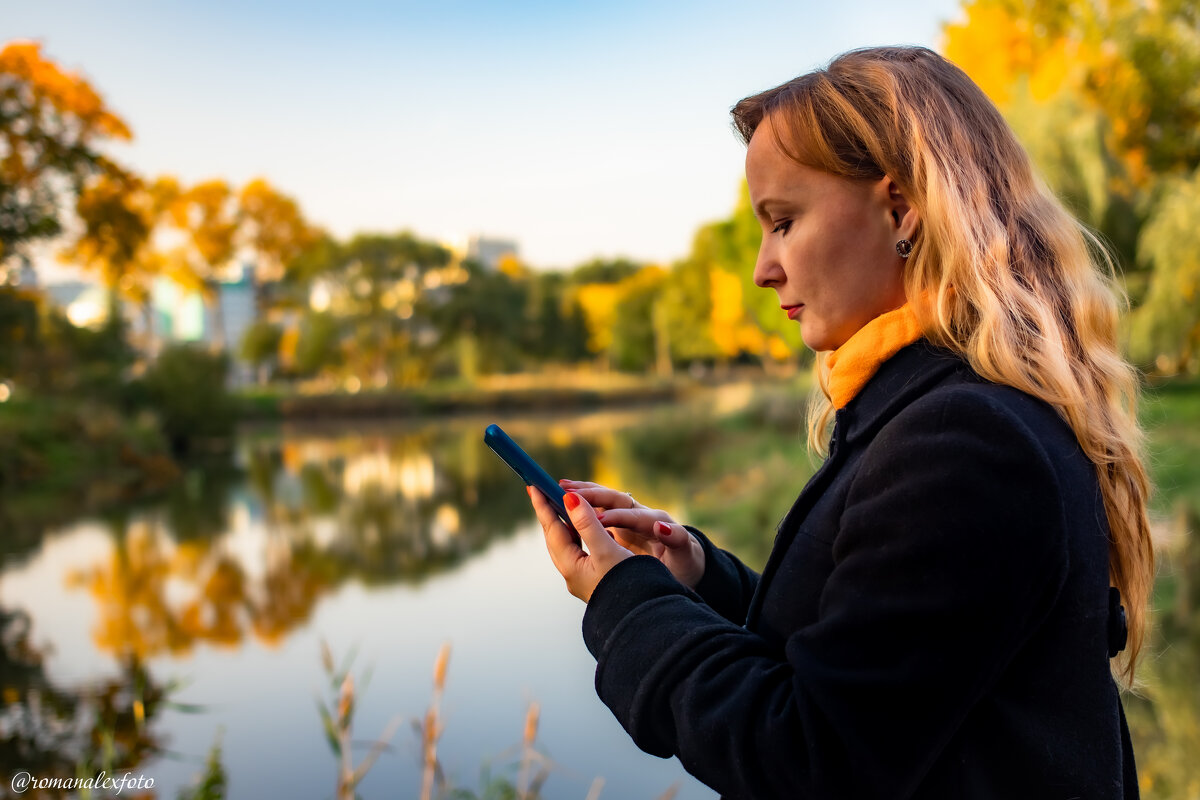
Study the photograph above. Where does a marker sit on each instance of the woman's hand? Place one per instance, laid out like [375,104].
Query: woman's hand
[582,570]
[644,530]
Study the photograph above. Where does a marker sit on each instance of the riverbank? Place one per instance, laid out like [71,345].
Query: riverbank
[550,391]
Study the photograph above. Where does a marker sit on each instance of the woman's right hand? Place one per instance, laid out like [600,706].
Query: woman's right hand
[644,530]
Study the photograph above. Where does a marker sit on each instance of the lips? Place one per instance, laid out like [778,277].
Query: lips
[793,311]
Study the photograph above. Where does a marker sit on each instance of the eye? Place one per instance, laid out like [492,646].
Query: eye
[782,227]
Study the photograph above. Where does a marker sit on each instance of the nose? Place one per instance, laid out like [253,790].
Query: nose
[768,272]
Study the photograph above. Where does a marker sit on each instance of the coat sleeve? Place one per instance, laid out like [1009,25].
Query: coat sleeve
[950,552]
[728,584]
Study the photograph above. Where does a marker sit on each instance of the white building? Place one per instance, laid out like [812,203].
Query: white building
[490,252]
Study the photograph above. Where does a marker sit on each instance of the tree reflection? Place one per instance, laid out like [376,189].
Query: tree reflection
[237,553]
[50,731]
[1165,720]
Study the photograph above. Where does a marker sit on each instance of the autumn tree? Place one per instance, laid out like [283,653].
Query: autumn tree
[1103,95]
[272,228]
[51,122]
[117,214]
[206,214]
[376,284]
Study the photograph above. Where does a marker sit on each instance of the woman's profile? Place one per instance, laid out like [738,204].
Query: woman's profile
[940,606]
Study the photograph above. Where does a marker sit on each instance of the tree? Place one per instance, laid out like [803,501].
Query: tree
[260,346]
[118,214]
[378,284]
[1103,96]
[50,124]
[274,229]
[635,338]
[206,213]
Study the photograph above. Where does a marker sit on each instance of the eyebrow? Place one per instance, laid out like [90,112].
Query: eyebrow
[760,208]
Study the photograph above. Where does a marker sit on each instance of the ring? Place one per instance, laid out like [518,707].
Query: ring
[631,500]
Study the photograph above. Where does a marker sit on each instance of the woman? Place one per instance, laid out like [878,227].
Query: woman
[935,618]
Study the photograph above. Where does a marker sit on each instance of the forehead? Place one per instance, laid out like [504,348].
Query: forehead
[772,175]
[779,183]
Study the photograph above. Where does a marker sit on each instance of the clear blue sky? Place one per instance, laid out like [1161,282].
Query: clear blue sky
[578,129]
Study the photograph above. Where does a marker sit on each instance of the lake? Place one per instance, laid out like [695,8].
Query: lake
[201,617]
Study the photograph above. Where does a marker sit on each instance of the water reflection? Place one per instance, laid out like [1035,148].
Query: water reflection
[1165,719]
[246,550]
[50,730]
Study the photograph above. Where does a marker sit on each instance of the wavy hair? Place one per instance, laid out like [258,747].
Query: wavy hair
[1000,272]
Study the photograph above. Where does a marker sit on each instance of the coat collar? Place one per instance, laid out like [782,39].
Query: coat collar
[913,371]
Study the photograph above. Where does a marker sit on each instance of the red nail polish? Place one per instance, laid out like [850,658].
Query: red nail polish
[662,527]
[571,501]
[600,515]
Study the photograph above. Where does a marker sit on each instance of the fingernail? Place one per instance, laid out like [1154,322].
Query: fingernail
[571,501]
[599,515]
[662,527]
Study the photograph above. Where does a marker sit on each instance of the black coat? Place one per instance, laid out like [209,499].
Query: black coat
[932,621]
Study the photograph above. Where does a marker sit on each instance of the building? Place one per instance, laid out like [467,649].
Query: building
[490,252]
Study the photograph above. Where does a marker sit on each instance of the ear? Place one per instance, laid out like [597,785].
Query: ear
[905,218]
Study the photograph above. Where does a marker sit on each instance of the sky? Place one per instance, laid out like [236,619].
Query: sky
[579,130]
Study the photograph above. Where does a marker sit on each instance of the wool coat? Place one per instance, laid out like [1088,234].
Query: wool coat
[932,622]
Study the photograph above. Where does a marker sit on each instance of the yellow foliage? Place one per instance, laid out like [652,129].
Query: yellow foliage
[732,329]
[511,266]
[1074,55]
[68,93]
[275,227]
[287,345]
[118,217]
[991,47]
[777,348]
[599,302]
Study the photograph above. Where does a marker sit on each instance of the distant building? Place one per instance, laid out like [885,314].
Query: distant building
[21,274]
[490,252]
[181,315]
[63,294]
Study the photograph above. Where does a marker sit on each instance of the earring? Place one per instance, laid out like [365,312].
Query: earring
[904,247]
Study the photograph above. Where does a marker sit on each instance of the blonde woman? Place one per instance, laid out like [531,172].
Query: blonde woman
[940,607]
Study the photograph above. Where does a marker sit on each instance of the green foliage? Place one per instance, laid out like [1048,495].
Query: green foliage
[633,332]
[42,352]
[605,270]
[212,785]
[1103,95]
[18,328]
[1165,330]
[186,387]
[317,345]
[687,309]
[260,343]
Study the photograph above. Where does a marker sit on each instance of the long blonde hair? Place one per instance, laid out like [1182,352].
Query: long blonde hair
[1000,272]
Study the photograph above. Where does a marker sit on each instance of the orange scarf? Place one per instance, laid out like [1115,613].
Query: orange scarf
[853,364]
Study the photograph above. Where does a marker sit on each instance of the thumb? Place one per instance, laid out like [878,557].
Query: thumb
[672,535]
[583,517]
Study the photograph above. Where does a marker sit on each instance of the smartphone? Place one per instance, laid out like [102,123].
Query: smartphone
[529,470]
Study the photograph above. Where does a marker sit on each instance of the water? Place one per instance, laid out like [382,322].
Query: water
[384,542]
[207,608]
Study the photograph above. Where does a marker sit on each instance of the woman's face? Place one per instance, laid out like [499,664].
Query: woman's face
[829,243]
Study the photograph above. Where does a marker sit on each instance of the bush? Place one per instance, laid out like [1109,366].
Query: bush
[186,388]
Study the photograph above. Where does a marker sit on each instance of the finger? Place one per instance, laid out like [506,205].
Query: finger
[672,535]
[603,497]
[590,529]
[637,542]
[638,519]
[561,543]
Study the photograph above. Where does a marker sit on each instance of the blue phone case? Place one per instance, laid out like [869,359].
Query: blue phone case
[529,470]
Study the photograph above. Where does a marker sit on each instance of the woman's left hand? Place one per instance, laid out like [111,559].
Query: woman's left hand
[582,570]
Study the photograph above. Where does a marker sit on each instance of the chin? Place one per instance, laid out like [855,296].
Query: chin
[819,342]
